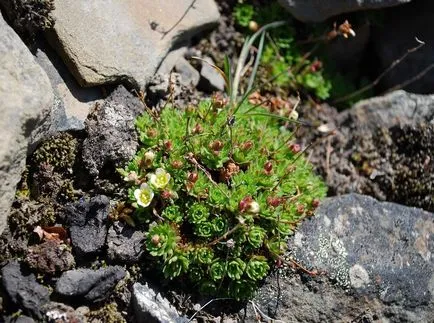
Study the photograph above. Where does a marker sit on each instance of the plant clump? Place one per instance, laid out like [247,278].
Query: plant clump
[219,187]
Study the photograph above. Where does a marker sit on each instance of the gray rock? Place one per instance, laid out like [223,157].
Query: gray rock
[58,312]
[210,79]
[132,48]
[408,22]
[382,147]
[87,222]
[72,102]
[151,307]
[319,10]
[23,290]
[189,75]
[112,138]
[50,257]
[374,262]
[25,96]
[171,59]
[87,285]
[125,244]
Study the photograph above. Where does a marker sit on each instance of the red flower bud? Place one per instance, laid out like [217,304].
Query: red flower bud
[246,145]
[273,201]
[315,203]
[216,146]
[268,167]
[198,129]
[193,177]
[177,164]
[168,145]
[165,195]
[300,208]
[244,204]
[295,148]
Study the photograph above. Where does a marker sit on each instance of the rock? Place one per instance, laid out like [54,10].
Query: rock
[111,136]
[20,319]
[50,257]
[125,244]
[23,290]
[171,59]
[132,48]
[87,222]
[383,148]
[408,22]
[151,307]
[210,79]
[317,10]
[58,312]
[189,75]
[25,96]
[374,262]
[87,285]
[72,102]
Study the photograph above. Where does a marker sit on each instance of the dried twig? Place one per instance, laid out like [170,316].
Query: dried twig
[380,77]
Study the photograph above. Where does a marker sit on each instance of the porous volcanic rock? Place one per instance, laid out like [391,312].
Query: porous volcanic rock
[111,136]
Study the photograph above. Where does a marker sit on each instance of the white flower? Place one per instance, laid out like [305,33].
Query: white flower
[160,179]
[254,207]
[144,195]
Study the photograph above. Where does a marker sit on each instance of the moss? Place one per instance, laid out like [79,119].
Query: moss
[107,314]
[58,151]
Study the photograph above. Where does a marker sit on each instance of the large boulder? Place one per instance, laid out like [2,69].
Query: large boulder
[382,147]
[373,261]
[107,42]
[320,10]
[25,94]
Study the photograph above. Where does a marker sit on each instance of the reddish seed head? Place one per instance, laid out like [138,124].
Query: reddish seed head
[198,129]
[216,145]
[165,195]
[177,164]
[273,201]
[244,204]
[295,148]
[246,145]
[151,133]
[315,203]
[193,177]
[268,167]
[168,145]
[316,66]
[300,208]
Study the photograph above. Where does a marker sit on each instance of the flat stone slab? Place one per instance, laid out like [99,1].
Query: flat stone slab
[124,41]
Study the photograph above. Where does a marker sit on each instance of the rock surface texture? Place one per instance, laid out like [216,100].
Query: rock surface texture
[320,10]
[87,222]
[25,94]
[152,307]
[23,289]
[374,261]
[89,285]
[137,35]
[382,147]
[112,138]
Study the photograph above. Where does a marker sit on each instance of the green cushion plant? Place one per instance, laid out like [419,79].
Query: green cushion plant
[220,187]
